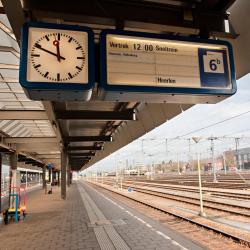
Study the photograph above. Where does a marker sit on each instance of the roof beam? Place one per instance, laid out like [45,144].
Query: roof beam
[82,154]
[10,50]
[37,147]
[87,138]
[49,157]
[126,115]
[22,159]
[79,163]
[79,159]
[36,140]
[14,11]
[75,148]
[22,115]
[46,154]
[30,162]
[216,4]
[168,15]
[24,155]
[5,149]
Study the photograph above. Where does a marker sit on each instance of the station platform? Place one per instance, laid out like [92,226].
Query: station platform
[87,220]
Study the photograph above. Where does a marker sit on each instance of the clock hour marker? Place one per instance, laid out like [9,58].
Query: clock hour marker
[80,57]
[38,45]
[46,74]
[70,75]
[58,37]
[70,40]
[47,38]
[58,77]
[37,66]
[78,67]
[79,47]
[35,55]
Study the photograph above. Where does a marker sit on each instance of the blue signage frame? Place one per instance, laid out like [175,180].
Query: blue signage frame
[105,87]
[55,86]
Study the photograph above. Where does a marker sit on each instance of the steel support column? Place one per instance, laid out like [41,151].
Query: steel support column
[13,160]
[58,178]
[50,172]
[63,173]
[44,176]
[68,175]
[0,182]
[13,167]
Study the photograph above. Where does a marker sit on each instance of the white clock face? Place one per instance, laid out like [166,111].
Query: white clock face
[57,56]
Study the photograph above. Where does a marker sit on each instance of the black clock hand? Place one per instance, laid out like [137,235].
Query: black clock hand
[50,52]
[56,43]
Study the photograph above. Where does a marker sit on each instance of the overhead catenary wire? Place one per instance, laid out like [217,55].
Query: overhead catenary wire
[190,133]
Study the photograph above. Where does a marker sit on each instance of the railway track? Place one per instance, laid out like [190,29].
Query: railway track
[226,194]
[231,183]
[215,205]
[233,236]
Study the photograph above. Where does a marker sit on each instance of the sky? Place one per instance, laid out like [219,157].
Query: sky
[232,116]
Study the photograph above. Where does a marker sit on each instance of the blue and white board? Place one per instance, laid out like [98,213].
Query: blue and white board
[159,68]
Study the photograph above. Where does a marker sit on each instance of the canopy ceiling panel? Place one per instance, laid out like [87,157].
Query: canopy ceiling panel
[13,98]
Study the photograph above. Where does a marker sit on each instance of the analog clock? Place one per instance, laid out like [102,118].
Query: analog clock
[57,56]
[64,51]
[57,62]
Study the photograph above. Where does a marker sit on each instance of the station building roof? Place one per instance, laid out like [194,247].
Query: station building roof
[92,130]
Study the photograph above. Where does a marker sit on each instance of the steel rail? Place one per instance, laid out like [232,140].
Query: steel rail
[181,197]
[203,225]
[221,193]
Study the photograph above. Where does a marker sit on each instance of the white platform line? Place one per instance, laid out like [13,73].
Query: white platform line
[142,221]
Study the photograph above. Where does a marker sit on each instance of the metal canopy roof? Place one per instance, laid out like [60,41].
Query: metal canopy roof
[19,116]
[91,130]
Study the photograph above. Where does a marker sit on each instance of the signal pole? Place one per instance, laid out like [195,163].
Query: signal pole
[213,163]
[178,164]
[196,140]
[224,163]
[237,153]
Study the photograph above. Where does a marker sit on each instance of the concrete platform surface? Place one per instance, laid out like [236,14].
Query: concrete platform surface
[51,223]
[87,220]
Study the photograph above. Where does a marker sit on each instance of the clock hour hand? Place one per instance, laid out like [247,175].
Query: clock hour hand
[48,51]
[56,43]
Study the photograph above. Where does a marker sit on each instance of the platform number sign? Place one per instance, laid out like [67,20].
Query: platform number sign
[50,165]
[213,68]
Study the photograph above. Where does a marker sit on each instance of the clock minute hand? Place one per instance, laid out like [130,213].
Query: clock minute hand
[48,51]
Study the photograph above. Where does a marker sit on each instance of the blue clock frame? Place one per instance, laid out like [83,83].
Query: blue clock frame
[119,92]
[57,91]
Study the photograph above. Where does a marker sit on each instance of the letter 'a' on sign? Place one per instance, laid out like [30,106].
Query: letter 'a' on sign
[57,62]
[159,68]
